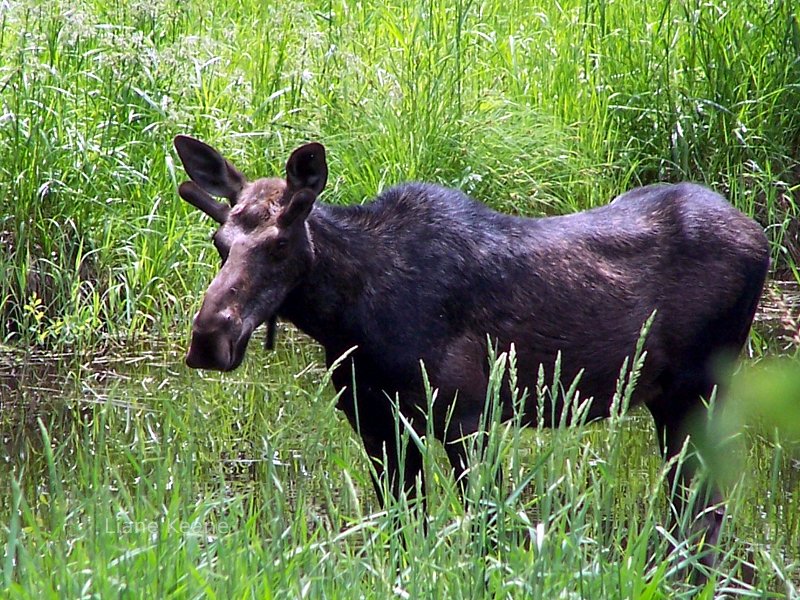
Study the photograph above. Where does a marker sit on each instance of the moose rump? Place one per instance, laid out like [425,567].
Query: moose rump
[425,275]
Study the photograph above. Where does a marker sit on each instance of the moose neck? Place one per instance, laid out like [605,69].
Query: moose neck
[346,253]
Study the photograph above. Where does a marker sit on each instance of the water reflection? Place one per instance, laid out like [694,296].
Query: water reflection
[778,317]
[37,375]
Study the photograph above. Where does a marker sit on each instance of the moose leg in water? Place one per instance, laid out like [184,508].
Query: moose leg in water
[677,410]
[461,384]
[672,428]
[395,462]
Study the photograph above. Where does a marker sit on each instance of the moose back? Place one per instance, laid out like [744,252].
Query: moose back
[425,275]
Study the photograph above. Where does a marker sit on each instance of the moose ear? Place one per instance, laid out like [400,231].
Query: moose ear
[209,169]
[306,168]
[192,193]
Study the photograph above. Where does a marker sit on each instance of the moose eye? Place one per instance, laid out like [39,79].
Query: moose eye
[278,249]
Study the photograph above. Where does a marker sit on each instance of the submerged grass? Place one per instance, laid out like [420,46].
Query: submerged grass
[532,107]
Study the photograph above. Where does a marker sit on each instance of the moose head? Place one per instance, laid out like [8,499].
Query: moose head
[262,240]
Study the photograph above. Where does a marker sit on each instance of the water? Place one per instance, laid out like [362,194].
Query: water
[33,376]
[778,317]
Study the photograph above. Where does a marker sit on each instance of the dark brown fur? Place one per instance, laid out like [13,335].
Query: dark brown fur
[424,274]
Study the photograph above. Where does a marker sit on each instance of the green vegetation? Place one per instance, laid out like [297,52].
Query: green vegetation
[130,477]
[163,483]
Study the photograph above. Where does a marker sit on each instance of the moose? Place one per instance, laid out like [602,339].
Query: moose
[425,278]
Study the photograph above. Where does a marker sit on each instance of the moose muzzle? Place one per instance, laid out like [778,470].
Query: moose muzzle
[218,342]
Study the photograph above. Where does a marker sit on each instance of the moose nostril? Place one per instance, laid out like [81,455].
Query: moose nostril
[222,322]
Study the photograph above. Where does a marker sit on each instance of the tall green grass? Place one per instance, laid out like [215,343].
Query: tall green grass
[532,107]
[146,484]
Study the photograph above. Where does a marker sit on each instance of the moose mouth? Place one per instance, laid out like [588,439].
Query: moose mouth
[217,351]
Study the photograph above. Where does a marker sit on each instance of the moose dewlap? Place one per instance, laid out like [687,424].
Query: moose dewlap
[424,274]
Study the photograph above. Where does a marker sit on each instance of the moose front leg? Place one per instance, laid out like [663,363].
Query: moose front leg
[395,460]
[396,466]
[457,449]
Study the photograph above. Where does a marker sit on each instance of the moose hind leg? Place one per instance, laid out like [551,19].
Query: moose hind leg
[463,447]
[677,415]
